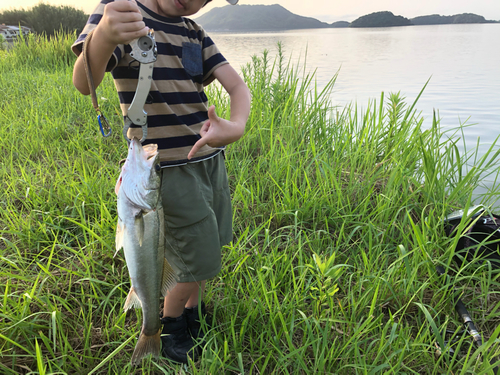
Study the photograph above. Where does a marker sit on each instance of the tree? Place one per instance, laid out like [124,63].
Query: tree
[47,19]
[14,17]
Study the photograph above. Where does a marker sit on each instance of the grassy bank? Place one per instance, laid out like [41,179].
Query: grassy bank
[336,233]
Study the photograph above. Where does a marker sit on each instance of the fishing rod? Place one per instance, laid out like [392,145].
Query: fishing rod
[463,313]
[467,319]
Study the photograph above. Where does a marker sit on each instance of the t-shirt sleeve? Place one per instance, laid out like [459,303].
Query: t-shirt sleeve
[91,24]
[212,58]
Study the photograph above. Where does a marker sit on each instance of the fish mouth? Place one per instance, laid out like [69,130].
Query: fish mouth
[147,153]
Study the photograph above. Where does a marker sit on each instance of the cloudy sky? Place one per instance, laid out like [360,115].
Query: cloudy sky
[330,10]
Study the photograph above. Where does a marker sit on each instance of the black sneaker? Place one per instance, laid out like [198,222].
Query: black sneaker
[176,343]
[194,317]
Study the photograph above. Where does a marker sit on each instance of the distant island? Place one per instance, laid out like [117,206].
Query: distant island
[275,17]
[256,17]
[436,19]
[380,19]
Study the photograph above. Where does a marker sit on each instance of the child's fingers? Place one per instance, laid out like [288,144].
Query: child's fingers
[127,17]
[123,22]
[126,9]
[202,142]
[130,36]
[133,27]
[204,128]
[130,2]
[124,6]
[212,115]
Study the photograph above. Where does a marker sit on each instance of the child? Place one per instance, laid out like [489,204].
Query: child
[190,138]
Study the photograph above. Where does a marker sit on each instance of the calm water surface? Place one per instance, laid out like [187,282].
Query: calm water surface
[461,61]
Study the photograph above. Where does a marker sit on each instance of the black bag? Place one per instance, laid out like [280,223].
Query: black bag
[481,241]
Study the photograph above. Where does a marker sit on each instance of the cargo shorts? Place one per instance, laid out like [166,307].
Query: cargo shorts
[198,217]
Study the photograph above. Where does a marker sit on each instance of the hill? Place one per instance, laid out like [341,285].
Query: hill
[340,24]
[436,19]
[256,18]
[380,19]
[275,17]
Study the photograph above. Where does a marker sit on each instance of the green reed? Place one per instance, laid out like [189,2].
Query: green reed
[336,233]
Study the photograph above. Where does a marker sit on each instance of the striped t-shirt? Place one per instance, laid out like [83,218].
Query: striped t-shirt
[176,106]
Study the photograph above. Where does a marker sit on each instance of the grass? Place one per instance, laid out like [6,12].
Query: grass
[336,233]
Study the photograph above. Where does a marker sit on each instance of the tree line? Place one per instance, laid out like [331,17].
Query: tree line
[46,19]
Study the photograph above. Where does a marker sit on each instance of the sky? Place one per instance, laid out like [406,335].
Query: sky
[327,10]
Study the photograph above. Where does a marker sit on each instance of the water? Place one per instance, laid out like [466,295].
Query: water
[461,62]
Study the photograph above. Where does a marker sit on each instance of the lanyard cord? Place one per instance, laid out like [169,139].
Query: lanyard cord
[90,80]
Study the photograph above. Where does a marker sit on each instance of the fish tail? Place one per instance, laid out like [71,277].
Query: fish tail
[146,345]
[168,280]
[132,300]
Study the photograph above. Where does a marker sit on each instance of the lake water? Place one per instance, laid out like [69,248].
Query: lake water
[461,61]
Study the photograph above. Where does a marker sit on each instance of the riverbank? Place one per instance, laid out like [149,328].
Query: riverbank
[336,232]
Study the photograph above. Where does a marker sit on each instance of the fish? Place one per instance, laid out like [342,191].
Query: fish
[140,232]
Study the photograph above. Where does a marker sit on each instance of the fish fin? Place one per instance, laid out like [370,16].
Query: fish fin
[132,300]
[139,228]
[120,234]
[168,280]
[146,345]
[118,184]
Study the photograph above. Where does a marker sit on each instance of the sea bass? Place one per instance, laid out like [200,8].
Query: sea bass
[140,232]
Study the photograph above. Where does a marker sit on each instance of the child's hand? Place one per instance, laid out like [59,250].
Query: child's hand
[121,22]
[217,132]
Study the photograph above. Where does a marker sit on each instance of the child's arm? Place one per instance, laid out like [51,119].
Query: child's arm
[218,132]
[121,23]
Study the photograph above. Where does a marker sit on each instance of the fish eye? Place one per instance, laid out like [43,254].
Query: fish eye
[157,168]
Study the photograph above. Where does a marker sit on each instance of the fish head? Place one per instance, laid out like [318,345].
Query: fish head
[140,176]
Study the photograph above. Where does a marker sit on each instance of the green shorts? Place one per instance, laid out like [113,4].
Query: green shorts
[198,217]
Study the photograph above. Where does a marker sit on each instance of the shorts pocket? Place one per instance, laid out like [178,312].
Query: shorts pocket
[192,59]
[183,197]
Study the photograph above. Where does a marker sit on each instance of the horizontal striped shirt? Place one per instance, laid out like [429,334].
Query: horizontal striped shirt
[176,106]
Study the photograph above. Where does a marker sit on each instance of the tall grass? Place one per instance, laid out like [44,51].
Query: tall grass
[336,234]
